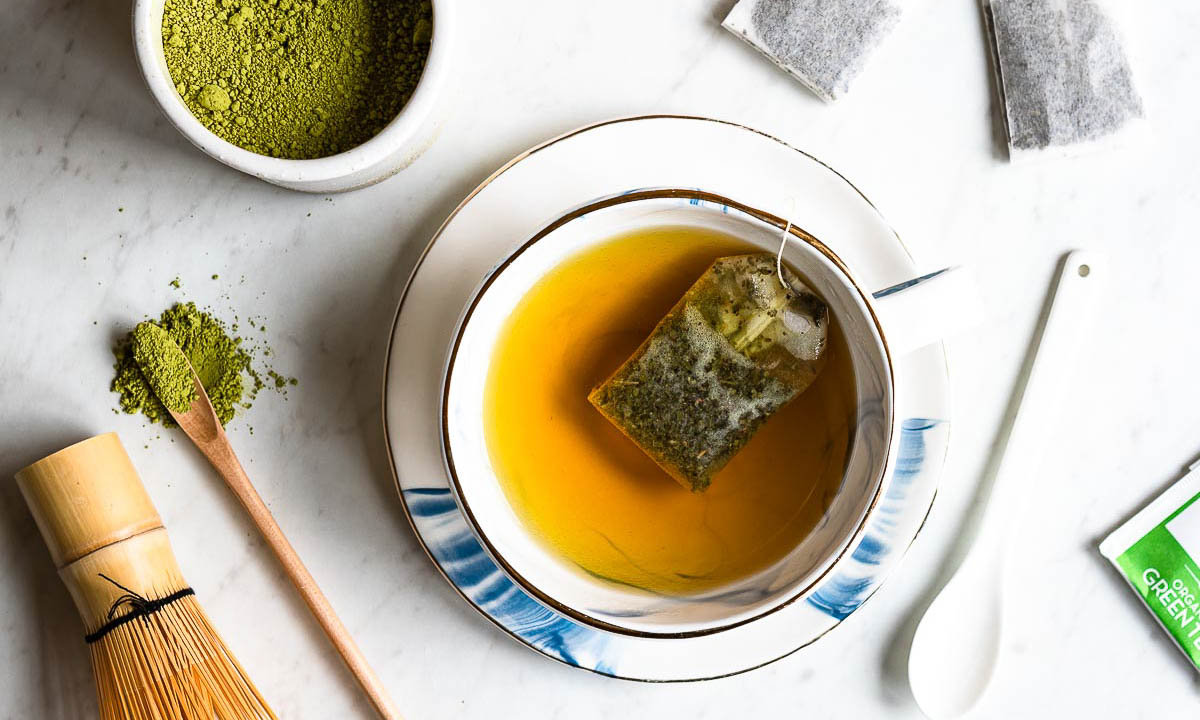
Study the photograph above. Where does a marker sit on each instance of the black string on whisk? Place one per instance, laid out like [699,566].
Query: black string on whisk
[140,607]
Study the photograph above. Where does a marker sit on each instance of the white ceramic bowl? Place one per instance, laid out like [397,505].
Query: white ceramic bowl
[620,608]
[393,149]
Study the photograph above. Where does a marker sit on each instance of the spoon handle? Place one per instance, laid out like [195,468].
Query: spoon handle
[1033,421]
[220,453]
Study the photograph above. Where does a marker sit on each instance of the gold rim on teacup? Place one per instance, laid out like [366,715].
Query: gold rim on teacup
[882,466]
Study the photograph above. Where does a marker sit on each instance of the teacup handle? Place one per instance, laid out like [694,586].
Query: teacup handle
[928,308]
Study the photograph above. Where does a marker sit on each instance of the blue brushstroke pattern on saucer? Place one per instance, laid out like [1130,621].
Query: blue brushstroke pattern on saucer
[474,573]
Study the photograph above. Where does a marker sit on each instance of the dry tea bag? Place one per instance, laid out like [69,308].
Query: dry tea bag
[735,348]
[1062,75]
[822,43]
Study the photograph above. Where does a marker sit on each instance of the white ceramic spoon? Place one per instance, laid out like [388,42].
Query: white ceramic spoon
[956,643]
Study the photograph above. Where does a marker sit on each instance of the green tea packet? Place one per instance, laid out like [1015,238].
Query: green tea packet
[736,347]
[1157,552]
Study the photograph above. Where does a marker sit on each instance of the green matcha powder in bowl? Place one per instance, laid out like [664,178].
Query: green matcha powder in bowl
[315,95]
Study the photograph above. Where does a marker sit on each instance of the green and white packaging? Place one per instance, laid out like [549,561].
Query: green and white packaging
[1156,551]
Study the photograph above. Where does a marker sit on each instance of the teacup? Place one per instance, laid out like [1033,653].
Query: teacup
[879,326]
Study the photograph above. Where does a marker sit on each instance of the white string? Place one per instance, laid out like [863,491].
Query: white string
[779,256]
[783,246]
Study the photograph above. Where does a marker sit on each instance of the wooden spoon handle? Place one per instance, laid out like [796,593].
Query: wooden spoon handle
[221,455]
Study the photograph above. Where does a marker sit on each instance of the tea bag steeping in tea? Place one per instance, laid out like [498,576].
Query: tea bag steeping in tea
[735,348]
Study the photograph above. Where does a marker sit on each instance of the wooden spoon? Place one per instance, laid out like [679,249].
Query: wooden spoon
[200,423]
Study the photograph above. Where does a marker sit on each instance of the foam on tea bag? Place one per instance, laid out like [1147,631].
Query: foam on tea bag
[735,348]
[1062,75]
[822,43]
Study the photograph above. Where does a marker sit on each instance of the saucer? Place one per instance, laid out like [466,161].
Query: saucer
[520,199]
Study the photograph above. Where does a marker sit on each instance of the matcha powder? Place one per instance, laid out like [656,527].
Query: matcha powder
[296,79]
[148,359]
[164,366]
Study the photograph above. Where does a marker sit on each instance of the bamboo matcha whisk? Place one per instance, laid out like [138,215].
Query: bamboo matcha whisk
[154,652]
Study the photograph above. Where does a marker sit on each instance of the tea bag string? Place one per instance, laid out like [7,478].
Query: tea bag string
[783,240]
[779,256]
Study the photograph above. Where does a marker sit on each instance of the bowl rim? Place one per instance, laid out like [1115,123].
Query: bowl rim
[397,135]
[878,482]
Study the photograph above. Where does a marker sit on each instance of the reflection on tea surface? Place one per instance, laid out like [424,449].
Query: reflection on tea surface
[587,491]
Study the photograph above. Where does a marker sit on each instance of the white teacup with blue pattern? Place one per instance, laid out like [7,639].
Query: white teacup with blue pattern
[878,326]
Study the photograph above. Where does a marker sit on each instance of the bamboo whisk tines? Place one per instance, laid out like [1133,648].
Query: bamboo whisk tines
[155,654]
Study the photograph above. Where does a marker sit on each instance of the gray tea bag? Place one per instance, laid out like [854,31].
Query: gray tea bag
[1063,78]
[735,348]
[822,43]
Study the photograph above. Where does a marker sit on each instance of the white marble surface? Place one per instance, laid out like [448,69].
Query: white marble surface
[80,139]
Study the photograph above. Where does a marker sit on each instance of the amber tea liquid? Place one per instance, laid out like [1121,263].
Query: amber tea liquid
[592,496]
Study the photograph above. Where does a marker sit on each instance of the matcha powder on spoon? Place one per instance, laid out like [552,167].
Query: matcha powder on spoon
[164,366]
[151,375]
[296,79]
